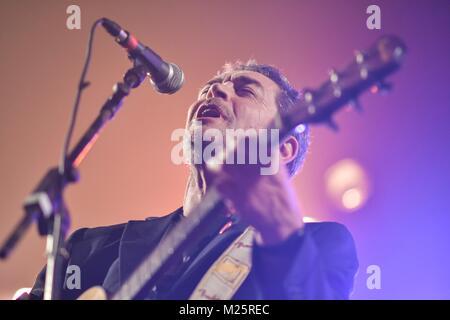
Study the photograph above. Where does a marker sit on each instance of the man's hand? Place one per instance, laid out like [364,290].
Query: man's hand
[267,202]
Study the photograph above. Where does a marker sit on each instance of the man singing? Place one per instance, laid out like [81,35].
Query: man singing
[267,253]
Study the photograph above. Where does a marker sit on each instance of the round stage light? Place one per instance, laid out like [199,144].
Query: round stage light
[347,185]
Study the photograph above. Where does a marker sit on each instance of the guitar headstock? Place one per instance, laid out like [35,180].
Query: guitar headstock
[369,69]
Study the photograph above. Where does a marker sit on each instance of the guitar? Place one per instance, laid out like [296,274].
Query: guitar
[368,70]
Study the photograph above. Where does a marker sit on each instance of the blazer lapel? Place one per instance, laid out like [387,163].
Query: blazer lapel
[139,238]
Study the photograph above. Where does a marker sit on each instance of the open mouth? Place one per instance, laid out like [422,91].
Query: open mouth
[209,111]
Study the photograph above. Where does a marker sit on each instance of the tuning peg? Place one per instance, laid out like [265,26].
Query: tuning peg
[332,124]
[399,52]
[382,87]
[334,76]
[355,104]
[308,96]
[359,56]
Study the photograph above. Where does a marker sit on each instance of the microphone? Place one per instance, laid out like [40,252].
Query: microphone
[165,77]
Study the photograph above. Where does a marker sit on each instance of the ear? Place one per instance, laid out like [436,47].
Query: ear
[289,149]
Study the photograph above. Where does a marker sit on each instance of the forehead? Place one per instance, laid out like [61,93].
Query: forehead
[247,76]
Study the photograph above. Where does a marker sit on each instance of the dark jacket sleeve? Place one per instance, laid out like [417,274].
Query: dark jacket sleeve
[37,292]
[318,262]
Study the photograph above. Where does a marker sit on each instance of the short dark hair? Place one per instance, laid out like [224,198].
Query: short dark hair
[286,100]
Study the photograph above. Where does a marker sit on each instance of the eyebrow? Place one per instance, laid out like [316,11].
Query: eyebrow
[238,79]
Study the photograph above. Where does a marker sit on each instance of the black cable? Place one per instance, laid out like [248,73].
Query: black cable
[81,86]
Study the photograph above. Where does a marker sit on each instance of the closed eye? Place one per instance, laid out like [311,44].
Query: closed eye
[245,91]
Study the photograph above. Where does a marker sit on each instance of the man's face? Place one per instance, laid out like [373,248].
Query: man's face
[235,100]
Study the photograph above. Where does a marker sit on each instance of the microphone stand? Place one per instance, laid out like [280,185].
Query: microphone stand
[46,204]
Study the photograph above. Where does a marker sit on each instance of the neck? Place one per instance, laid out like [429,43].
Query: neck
[197,185]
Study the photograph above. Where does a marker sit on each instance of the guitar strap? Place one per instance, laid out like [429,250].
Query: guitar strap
[228,273]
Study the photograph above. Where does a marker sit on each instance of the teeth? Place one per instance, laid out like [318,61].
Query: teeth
[210,112]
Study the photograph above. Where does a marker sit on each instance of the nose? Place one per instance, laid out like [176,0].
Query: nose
[220,90]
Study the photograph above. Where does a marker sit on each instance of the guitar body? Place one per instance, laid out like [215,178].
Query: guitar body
[94,293]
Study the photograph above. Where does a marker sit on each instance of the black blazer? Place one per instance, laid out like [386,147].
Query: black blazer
[319,264]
